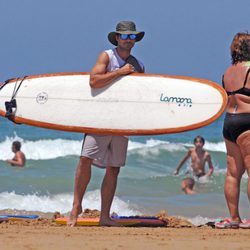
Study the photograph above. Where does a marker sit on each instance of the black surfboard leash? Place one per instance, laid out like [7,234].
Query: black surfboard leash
[10,105]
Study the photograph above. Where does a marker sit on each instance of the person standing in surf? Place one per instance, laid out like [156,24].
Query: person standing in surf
[199,157]
[236,129]
[107,151]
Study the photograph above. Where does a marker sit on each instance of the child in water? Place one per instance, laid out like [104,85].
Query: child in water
[199,157]
[187,185]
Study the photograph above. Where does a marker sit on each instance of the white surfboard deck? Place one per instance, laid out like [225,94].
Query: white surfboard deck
[137,104]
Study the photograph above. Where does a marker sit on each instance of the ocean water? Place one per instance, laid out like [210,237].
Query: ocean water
[146,184]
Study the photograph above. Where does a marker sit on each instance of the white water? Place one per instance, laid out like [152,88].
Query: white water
[52,149]
[61,203]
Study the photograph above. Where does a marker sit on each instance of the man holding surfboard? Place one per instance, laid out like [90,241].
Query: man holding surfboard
[107,151]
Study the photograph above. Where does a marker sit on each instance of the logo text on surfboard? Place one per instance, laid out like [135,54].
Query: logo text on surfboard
[42,97]
[180,101]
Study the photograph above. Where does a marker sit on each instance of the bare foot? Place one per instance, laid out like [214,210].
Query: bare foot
[73,217]
[109,223]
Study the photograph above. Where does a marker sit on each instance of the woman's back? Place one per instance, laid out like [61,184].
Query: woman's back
[237,84]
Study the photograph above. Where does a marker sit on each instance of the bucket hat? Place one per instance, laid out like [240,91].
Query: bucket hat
[125,27]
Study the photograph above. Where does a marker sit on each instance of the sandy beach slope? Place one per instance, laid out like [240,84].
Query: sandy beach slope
[45,234]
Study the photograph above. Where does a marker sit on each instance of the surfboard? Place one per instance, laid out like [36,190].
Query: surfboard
[135,221]
[3,218]
[136,104]
[21,217]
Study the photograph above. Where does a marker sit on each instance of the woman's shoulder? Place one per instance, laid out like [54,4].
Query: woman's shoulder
[235,72]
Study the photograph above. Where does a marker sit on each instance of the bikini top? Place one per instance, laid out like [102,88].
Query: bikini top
[242,91]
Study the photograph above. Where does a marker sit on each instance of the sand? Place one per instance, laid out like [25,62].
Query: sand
[178,234]
[61,237]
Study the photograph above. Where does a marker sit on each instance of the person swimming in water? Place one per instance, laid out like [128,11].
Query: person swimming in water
[19,158]
[187,185]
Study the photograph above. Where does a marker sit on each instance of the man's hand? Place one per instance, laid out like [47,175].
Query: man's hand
[126,69]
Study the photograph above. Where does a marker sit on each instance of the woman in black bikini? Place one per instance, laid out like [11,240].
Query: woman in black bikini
[236,130]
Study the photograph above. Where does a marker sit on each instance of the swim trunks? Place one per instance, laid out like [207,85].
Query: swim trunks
[105,150]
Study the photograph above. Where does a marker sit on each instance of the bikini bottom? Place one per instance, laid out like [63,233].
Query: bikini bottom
[235,125]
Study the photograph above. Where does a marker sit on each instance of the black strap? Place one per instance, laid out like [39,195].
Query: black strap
[9,106]
[245,82]
[223,85]
[15,90]
[5,83]
[133,61]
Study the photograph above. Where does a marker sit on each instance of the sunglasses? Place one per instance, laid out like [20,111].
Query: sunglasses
[128,36]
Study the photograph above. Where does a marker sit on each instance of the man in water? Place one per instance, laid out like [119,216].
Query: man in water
[19,157]
[199,157]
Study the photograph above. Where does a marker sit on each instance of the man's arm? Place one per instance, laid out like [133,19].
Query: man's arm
[210,166]
[182,162]
[99,77]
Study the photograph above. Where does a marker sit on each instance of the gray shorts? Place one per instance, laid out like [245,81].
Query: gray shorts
[105,150]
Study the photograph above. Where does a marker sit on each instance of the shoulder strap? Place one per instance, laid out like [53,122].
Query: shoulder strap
[245,82]
[223,85]
[133,61]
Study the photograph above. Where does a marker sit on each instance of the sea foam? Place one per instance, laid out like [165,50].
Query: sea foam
[61,203]
[46,149]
